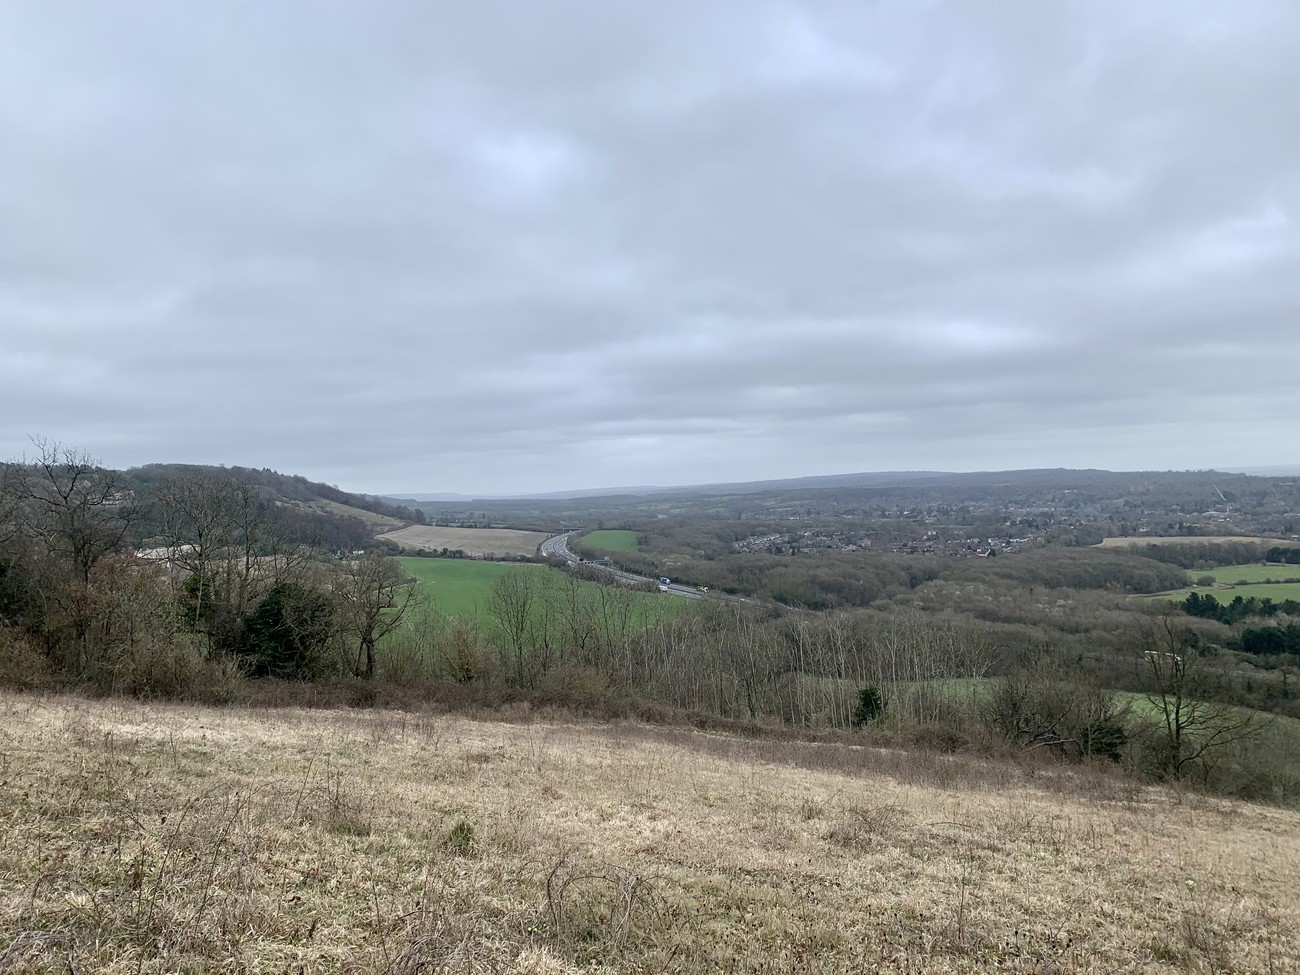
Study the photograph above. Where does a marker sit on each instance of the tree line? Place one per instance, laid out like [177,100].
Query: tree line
[178,589]
[1260,641]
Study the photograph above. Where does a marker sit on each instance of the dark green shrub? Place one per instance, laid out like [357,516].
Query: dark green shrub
[1105,738]
[871,706]
[287,634]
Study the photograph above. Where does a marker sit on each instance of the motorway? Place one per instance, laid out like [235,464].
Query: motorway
[557,546]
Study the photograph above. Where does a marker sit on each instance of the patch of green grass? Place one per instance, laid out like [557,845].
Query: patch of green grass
[1277,591]
[1254,572]
[607,540]
[1251,579]
[1139,705]
[463,587]
[1283,727]
[955,689]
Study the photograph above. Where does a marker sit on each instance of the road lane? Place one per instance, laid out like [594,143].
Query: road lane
[558,546]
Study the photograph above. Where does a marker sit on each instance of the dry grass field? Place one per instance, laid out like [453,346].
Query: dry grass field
[375,521]
[1129,541]
[473,541]
[158,838]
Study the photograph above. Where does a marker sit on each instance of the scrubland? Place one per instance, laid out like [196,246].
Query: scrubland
[170,838]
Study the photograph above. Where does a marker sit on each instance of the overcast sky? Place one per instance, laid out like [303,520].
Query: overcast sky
[510,246]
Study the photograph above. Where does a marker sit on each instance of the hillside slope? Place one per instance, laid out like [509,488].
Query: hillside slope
[319,513]
[168,838]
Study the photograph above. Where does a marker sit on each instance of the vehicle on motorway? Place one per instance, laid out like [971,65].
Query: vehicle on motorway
[665,581]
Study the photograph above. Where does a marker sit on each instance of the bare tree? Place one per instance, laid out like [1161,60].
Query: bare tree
[512,605]
[227,546]
[1181,682]
[577,616]
[755,655]
[199,526]
[374,596]
[10,494]
[70,514]
[75,508]
[1044,702]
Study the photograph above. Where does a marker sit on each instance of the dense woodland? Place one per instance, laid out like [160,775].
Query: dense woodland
[215,584]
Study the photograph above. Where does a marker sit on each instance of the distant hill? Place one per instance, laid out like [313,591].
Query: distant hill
[1281,470]
[647,490]
[1037,477]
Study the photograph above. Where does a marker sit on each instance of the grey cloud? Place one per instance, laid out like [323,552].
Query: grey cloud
[501,246]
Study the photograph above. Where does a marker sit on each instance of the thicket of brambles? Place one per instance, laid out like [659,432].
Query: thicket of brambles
[203,584]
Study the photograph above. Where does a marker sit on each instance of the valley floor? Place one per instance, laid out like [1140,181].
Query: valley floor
[161,838]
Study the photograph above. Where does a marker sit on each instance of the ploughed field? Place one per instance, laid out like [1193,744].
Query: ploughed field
[165,838]
[472,541]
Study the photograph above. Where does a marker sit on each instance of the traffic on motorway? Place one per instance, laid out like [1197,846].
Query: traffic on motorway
[558,546]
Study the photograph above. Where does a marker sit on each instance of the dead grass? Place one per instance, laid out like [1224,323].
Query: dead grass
[1130,541]
[472,541]
[150,838]
[375,521]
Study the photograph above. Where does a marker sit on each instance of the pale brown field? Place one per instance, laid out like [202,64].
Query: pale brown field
[375,521]
[1130,540]
[138,838]
[474,541]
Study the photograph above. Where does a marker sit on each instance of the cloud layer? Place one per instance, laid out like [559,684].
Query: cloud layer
[502,246]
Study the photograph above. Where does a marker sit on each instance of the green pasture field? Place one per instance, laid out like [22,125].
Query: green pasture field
[1231,581]
[1276,591]
[957,689]
[610,541]
[462,587]
[1231,575]
[1279,728]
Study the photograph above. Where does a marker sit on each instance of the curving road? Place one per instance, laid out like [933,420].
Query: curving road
[557,546]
